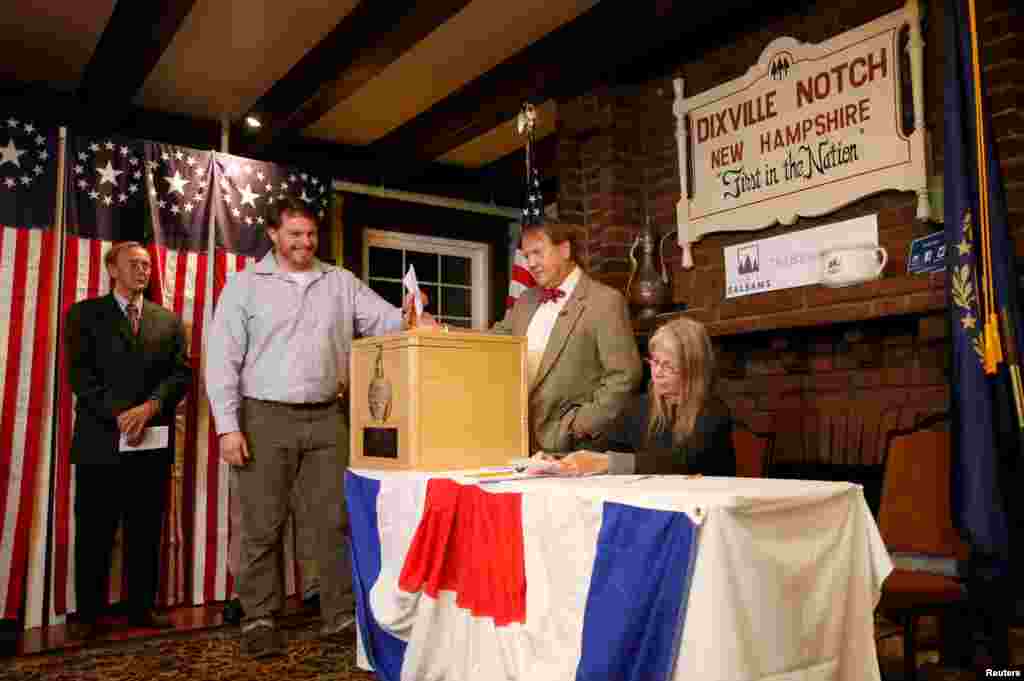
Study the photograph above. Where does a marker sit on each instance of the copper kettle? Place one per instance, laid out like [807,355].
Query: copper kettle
[648,289]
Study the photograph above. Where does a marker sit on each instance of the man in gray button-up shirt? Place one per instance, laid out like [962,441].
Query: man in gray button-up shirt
[276,362]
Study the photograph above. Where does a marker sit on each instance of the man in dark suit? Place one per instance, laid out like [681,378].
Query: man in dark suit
[128,369]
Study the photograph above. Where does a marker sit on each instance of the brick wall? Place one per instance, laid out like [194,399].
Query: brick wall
[832,393]
[828,369]
[1001,32]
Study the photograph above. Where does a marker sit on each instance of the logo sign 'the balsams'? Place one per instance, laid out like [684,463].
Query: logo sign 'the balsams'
[808,129]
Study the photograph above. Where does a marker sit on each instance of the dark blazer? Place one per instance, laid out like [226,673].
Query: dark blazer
[111,370]
[708,451]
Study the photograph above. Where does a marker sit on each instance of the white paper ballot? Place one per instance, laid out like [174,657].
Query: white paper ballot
[157,437]
[413,287]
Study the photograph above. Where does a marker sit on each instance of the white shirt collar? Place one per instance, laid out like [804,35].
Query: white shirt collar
[123,302]
[569,285]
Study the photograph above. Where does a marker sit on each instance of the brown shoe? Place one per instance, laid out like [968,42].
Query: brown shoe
[150,619]
[330,631]
[83,630]
[262,639]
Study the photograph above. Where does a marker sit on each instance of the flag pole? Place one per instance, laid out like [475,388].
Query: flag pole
[1013,364]
[56,306]
[993,347]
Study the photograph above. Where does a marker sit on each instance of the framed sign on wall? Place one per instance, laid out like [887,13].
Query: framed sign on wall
[808,129]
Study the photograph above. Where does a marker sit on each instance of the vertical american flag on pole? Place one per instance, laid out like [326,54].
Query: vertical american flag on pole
[246,191]
[104,203]
[533,207]
[28,265]
[178,189]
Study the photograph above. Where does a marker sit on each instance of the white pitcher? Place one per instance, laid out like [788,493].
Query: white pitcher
[851,265]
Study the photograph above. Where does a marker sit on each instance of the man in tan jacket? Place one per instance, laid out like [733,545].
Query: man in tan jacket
[581,354]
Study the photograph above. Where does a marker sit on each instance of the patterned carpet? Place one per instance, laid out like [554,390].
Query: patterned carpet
[210,655]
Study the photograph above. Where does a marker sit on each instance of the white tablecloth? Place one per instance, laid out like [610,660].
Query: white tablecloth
[785,580]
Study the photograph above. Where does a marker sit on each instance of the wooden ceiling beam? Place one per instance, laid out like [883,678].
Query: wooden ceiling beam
[361,46]
[569,60]
[545,156]
[128,50]
[598,47]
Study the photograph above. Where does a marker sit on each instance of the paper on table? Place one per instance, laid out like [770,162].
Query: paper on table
[413,287]
[157,437]
[536,466]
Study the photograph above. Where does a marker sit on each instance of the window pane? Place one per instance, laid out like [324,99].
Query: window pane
[455,270]
[456,301]
[431,292]
[390,291]
[385,262]
[425,264]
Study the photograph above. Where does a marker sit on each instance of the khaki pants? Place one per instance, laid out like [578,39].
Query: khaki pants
[295,454]
[305,540]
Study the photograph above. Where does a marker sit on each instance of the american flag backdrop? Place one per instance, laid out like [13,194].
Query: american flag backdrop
[104,203]
[28,266]
[246,193]
[244,197]
[118,190]
[533,214]
[521,277]
[113,189]
[178,182]
[178,189]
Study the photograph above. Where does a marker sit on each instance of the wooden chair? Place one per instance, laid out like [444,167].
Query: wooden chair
[753,450]
[915,518]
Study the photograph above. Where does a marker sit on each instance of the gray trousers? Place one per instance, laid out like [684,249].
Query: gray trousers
[294,450]
[305,541]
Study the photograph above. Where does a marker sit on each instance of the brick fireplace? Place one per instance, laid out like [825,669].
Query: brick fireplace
[829,371]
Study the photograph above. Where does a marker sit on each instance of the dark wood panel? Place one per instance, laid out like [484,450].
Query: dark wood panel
[568,61]
[363,44]
[130,47]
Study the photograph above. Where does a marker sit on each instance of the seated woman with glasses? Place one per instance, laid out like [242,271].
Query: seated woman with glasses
[679,426]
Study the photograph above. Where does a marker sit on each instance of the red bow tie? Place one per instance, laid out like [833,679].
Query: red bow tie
[550,295]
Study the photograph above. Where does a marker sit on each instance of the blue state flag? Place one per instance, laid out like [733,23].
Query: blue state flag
[986,404]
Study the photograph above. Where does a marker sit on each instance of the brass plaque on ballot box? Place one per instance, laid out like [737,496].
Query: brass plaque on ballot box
[435,400]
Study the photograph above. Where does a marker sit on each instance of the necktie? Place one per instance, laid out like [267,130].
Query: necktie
[550,295]
[132,310]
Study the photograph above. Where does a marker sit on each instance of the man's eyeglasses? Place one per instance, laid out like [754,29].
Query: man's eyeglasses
[666,367]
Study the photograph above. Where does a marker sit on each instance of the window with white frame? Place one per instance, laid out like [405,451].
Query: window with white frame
[454,274]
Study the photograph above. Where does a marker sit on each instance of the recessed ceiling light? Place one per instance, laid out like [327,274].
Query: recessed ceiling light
[252,122]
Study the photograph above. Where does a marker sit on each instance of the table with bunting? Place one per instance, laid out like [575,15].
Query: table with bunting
[474,575]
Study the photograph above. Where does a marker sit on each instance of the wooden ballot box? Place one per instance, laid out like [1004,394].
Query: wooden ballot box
[434,400]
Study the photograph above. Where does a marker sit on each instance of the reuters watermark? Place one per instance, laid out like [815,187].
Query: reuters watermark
[1002,673]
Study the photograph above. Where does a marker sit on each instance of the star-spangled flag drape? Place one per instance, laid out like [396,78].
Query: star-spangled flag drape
[104,203]
[533,205]
[116,192]
[246,192]
[28,262]
[986,431]
[533,214]
[28,174]
[178,183]
[521,278]
[105,189]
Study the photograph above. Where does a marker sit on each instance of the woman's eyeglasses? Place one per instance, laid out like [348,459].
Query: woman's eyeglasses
[665,367]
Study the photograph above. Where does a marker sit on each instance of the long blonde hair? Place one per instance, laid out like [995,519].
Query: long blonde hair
[687,342]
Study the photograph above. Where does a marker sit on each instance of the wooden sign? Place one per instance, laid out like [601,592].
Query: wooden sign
[808,129]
